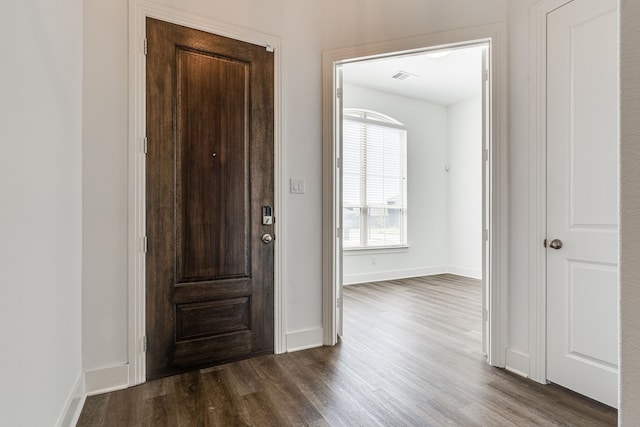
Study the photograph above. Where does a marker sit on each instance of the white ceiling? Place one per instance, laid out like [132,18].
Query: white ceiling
[443,81]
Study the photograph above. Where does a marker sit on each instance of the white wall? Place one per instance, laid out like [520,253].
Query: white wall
[353,22]
[40,209]
[306,28]
[105,173]
[630,214]
[518,170]
[426,125]
[464,203]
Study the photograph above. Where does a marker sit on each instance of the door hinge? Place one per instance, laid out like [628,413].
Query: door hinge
[144,344]
[485,315]
[145,244]
[339,162]
[544,243]
[485,154]
[145,46]
[339,93]
[338,232]
[485,75]
[485,235]
[144,145]
[339,302]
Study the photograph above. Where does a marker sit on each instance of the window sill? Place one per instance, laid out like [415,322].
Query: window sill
[376,249]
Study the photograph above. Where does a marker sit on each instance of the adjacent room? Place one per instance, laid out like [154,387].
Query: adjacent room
[412,198]
[412,175]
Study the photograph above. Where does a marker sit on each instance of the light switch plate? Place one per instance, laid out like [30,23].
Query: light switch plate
[297,186]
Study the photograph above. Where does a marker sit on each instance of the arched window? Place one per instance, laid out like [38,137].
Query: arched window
[374,180]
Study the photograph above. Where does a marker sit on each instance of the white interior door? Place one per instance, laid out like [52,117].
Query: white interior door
[582,198]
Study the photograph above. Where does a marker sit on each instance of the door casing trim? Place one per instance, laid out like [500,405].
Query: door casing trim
[496,35]
[538,187]
[139,10]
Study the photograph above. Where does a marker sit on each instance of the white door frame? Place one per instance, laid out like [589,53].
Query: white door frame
[537,189]
[495,34]
[139,10]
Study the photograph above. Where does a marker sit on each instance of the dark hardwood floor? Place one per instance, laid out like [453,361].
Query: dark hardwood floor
[410,356]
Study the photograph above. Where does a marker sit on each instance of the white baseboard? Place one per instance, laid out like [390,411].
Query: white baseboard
[75,401]
[517,362]
[302,340]
[465,272]
[393,275]
[106,379]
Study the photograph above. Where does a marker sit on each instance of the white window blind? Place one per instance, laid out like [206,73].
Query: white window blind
[374,180]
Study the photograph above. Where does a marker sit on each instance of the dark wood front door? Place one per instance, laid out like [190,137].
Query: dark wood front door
[209,172]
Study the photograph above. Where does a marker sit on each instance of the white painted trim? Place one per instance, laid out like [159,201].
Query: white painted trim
[517,362]
[496,35]
[499,214]
[302,340]
[74,403]
[465,272]
[537,187]
[329,222]
[139,10]
[104,380]
[379,276]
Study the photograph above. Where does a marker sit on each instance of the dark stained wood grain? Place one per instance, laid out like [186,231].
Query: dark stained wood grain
[212,170]
[209,286]
[410,356]
[94,410]
[126,408]
[188,398]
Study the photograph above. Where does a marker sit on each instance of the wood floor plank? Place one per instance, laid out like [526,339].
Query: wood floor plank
[244,378]
[125,408]
[94,411]
[284,393]
[188,399]
[410,356]
[337,405]
[223,407]
[161,387]
[480,414]
[159,411]
[262,409]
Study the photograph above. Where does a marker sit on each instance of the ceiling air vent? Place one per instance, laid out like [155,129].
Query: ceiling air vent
[403,75]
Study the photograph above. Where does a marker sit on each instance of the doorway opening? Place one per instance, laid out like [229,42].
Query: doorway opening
[489,42]
[412,165]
